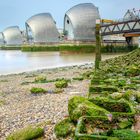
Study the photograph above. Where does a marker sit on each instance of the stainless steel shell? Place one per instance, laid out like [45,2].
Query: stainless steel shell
[79,22]
[12,36]
[43,28]
[1,39]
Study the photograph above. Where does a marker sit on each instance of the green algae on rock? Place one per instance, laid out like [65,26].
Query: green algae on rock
[28,133]
[126,134]
[36,90]
[40,79]
[64,128]
[61,84]
[118,81]
[117,107]
[95,127]
[101,88]
[79,107]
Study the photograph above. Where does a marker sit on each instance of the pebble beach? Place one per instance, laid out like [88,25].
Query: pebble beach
[20,108]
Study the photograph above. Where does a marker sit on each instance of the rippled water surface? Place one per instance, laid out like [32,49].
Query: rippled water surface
[17,61]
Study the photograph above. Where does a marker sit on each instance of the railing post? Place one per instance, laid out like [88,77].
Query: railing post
[98,44]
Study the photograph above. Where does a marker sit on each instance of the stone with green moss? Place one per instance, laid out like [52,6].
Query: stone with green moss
[138,97]
[87,74]
[130,95]
[117,107]
[95,127]
[2,102]
[121,82]
[132,70]
[126,134]
[102,88]
[116,95]
[79,106]
[74,102]
[125,124]
[78,78]
[28,133]
[36,90]
[61,84]
[130,87]
[113,138]
[58,91]
[64,128]
[40,79]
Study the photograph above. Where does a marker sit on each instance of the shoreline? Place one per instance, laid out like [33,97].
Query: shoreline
[65,65]
[49,69]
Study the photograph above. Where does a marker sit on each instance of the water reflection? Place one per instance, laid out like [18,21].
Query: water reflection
[16,61]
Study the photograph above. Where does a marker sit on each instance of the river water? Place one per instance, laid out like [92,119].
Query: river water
[17,61]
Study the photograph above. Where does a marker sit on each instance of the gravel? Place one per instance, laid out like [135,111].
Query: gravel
[21,108]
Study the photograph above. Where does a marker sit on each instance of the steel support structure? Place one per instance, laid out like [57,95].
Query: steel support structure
[131,26]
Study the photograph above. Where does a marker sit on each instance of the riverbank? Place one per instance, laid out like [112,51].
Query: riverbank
[71,48]
[20,108]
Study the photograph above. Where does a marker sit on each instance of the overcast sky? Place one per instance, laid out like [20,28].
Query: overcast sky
[16,12]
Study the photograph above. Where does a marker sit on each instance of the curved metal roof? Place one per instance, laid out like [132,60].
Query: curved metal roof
[43,28]
[13,36]
[83,18]
[1,38]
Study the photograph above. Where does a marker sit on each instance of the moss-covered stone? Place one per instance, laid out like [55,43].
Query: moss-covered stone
[100,128]
[41,79]
[135,81]
[125,124]
[116,95]
[102,88]
[121,82]
[78,78]
[74,102]
[64,128]
[130,86]
[79,106]
[130,95]
[132,70]
[36,90]
[2,102]
[61,84]
[95,127]
[126,134]
[117,107]
[138,97]
[87,74]
[28,133]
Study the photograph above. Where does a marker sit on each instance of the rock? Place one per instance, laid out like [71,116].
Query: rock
[102,88]
[64,128]
[125,124]
[61,84]
[79,106]
[126,134]
[26,133]
[116,95]
[117,107]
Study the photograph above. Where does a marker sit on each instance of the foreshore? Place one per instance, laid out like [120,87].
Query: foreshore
[19,108]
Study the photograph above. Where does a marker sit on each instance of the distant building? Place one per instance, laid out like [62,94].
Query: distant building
[41,29]
[1,39]
[13,36]
[79,22]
